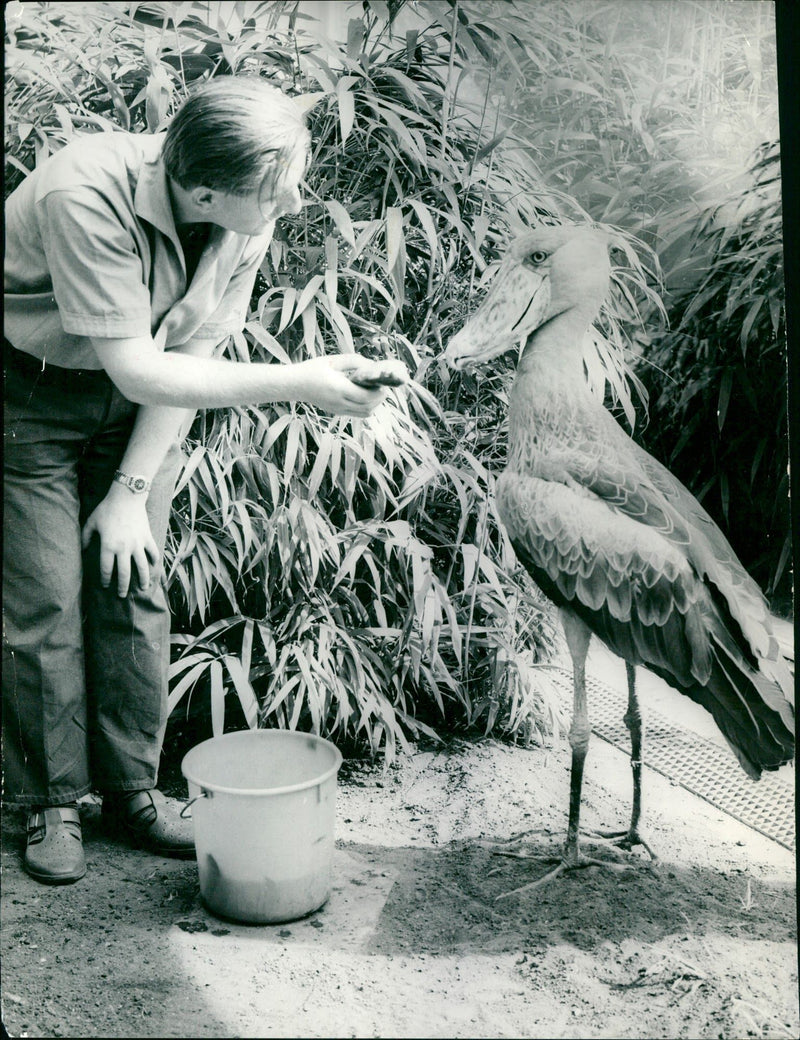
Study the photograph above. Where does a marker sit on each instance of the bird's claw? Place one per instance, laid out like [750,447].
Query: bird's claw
[510,846]
[625,840]
[567,862]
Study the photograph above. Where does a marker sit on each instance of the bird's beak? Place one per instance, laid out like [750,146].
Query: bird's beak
[516,304]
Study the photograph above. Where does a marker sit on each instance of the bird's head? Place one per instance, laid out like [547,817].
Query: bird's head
[544,273]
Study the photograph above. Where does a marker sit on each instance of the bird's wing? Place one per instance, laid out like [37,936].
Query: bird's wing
[584,555]
[638,592]
[631,482]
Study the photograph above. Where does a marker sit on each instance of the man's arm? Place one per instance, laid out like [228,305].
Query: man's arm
[120,519]
[147,376]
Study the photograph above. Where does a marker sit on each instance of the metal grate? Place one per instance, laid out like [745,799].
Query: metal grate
[708,770]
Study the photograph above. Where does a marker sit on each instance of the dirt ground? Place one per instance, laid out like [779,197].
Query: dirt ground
[413,941]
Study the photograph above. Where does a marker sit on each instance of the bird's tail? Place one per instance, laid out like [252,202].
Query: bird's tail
[752,708]
[784,635]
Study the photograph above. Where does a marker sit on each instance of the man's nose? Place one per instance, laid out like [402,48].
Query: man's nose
[291,203]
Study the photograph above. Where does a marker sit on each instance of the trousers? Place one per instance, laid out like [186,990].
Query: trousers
[85,671]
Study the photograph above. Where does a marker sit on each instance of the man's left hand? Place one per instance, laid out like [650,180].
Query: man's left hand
[120,522]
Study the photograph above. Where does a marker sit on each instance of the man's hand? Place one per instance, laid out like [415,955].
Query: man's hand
[347,384]
[120,522]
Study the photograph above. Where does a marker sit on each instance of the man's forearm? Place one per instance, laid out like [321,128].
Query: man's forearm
[173,380]
[158,426]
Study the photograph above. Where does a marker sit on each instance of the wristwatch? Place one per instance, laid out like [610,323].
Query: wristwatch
[138,485]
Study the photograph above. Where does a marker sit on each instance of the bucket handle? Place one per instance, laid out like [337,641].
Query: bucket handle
[190,803]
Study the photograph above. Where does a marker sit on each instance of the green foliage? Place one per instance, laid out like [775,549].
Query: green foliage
[346,577]
[76,68]
[718,380]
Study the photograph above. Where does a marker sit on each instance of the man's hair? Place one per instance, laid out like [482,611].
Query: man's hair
[235,134]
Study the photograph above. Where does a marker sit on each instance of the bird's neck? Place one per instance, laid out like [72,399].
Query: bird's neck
[549,396]
[557,346]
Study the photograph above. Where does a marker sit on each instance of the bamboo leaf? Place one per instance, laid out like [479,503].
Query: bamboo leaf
[292,447]
[287,308]
[260,334]
[355,37]
[283,693]
[747,324]
[247,645]
[394,235]
[347,106]
[244,690]
[310,329]
[342,220]
[424,214]
[347,566]
[470,554]
[331,269]
[189,680]
[723,401]
[217,699]
[411,44]
[189,467]
[310,290]
[324,451]
[490,147]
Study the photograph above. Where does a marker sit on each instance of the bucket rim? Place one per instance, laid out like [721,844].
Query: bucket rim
[256,792]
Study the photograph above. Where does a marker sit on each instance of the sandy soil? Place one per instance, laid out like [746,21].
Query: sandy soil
[414,941]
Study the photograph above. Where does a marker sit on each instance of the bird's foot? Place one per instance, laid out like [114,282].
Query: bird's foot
[626,840]
[511,846]
[571,860]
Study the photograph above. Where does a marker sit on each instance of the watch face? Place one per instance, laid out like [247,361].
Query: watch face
[138,484]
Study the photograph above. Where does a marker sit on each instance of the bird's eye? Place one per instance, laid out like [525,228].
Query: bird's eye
[538,257]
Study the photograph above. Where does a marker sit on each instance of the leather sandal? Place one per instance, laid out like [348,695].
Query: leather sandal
[54,850]
[150,821]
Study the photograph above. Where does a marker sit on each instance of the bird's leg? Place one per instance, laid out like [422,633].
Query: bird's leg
[579,734]
[578,637]
[633,720]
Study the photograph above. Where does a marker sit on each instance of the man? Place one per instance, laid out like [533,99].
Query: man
[129,259]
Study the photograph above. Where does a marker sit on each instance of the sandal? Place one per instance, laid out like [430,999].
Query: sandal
[54,850]
[150,821]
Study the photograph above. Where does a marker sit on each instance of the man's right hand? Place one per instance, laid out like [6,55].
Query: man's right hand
[330,383]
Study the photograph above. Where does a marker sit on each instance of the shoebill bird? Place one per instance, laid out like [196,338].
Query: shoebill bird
[606,531]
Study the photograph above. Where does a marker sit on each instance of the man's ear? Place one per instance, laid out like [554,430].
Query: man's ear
[203,198]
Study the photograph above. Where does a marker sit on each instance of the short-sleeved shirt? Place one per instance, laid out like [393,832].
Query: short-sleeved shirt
[92,250]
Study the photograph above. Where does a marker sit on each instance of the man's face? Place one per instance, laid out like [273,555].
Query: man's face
[252,213]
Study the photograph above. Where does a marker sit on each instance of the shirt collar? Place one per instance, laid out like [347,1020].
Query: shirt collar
[152,199]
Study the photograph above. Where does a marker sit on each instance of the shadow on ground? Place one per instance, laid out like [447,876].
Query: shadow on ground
[445,901]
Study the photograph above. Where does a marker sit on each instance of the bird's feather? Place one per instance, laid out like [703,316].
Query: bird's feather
[647,602]
[580,444]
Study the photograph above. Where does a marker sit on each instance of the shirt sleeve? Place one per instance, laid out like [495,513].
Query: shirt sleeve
[231,314]
[97,274]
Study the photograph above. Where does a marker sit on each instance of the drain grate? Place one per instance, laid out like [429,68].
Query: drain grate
[708,770]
